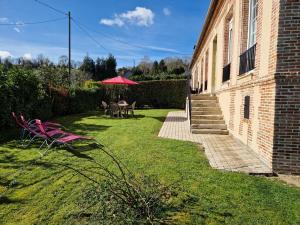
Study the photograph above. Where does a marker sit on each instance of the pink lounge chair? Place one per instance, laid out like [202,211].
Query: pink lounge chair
[65,139]
[34,132]
[47,124]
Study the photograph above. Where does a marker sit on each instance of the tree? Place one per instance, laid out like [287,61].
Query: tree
[63,61]
[41,60]
[100,69]
[178,71]
[136,71]
[111,66]
[155,68]
[88,65]
[162,66]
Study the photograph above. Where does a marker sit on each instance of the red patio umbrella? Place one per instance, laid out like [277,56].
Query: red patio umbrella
[119,80]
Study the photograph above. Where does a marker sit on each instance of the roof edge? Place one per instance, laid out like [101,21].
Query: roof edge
[211,10]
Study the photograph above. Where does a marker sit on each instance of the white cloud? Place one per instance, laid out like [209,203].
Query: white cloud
[167,11]
[5,54]
[17,29]
[27,56]
[3,20]
[111,22]
[162,49]
[140,17]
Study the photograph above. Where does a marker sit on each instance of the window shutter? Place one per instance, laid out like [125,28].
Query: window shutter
[247,107]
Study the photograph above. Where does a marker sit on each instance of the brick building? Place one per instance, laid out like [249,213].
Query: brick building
[248,56]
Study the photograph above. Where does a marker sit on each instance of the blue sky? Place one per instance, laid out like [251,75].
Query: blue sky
[129,29]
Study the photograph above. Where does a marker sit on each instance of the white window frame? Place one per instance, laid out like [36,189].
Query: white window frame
[252,23]
[230,41]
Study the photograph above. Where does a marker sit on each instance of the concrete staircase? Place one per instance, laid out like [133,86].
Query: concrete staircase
[207,116]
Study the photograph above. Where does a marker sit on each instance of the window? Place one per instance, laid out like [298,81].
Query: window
[202,74]
[230,39]
[247,107]
[200,77]
[206,71]
[252,22]
[248,44]
[228,48]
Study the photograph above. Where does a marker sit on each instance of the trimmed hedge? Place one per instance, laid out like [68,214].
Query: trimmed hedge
[155,94]
[159,94]
[22,91]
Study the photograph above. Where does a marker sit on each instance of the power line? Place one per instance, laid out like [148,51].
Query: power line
[89,35]
[127,43]
[85,29]
[51,7]
[32,23]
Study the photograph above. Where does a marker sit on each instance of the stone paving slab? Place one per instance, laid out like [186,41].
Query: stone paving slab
[222,151]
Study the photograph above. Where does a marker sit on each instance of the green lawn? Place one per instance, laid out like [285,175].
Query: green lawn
[47,194]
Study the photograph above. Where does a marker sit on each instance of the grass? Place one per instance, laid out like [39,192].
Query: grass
[46,194]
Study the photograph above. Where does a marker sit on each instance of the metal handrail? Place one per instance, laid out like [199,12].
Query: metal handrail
[189,96]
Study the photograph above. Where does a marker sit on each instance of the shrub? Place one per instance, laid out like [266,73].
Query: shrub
[6,96]
[83,100]
[60,101]
[159,94]
[21,91]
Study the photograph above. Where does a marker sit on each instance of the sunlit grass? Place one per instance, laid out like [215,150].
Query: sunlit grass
[47,194]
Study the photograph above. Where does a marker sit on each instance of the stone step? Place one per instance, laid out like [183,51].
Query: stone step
[199,121]
[209,126]
[205,104]
[204,101]
[196,109]
[207,117]
[210,131]
[204,97]
[207,112]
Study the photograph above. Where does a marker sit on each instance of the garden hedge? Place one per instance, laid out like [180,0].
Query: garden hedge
[159,94]
[22,91]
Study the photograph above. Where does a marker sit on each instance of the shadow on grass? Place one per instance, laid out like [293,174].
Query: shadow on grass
[129,117]
[6,200]
[9,134]
[159,118]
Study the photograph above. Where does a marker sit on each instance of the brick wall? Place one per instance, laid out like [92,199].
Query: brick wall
[265,135]
[286,156]
[232,110]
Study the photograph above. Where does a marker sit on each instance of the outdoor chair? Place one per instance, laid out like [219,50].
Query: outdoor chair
[65,139]
[47,124]
[105,107]
[114,109]
[34,132]
[27,125]
[131,109]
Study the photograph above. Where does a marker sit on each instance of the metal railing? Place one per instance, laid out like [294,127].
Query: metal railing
[247,60]
[189,96]
[226,73]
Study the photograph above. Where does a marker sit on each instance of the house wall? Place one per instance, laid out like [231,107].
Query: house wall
[268,85]
[286,156]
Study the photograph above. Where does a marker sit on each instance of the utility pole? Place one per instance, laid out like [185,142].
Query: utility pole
[69,16]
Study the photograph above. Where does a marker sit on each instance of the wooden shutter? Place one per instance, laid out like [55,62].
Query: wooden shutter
[247,107]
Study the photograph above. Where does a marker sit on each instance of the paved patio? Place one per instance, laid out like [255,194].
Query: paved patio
[222,151]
